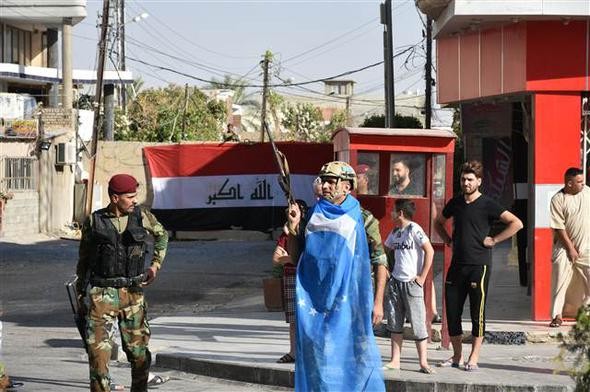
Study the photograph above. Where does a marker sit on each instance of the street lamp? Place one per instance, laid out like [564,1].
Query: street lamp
[137,18]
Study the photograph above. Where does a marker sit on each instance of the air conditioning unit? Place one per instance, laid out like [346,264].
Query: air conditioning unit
[65,154]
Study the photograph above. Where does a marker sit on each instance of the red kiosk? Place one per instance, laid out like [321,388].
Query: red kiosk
[422,156]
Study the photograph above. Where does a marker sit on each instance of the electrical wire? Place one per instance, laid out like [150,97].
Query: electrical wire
[256,85]
[191,42]
[330,41]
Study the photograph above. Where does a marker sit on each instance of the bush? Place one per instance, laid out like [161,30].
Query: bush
[577,342]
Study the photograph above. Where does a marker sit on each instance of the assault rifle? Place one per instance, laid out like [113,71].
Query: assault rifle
[283,166]
[79,319]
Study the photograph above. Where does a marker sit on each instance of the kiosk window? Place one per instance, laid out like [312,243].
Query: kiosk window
[438,192]
[407,174]
[367,171]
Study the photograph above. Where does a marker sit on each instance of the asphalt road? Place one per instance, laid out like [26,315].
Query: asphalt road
[40,345]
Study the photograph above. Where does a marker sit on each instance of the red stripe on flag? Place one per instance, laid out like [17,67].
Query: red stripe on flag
[206,159]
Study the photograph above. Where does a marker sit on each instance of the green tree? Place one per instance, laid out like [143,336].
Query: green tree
[159,115]
[304,121]
[250,105]
[378,121]
[133,89]
[577,342]
[275,102]
[238,86]
[337,121]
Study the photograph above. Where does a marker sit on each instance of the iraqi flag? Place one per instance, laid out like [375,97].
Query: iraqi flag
[209,186]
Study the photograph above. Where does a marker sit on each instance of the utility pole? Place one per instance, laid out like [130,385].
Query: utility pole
[265,65]
[386,19]
[428,92]
[121,31]
[97,105]
[348,111]
[184,111]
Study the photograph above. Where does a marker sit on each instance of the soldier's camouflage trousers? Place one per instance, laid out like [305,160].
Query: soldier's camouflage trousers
[4,381]
[108,306]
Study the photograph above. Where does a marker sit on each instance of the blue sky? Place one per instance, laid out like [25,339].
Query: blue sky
[310,40]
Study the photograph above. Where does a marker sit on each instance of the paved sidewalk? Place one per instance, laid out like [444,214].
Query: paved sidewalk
[243,341]
[244,347]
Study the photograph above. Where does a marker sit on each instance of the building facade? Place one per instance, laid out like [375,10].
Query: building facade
[520,73]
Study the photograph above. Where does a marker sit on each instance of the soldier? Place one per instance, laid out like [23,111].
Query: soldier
[111,263]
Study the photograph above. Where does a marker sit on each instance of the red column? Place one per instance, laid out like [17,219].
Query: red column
[556,146]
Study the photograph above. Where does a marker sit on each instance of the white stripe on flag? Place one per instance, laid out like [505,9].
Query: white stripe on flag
[344,225]
[252,190]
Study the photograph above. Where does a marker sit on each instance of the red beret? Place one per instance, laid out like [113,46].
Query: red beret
[362,169]
[122,183]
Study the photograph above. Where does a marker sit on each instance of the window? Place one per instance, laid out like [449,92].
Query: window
[1,43]
[367,171]
[407,175]
[18,174]
[17,46]
[44,61]
[438,192]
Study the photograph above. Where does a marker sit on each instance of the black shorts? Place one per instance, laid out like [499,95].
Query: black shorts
[466,280]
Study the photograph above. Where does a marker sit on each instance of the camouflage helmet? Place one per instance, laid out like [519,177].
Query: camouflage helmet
[341,170]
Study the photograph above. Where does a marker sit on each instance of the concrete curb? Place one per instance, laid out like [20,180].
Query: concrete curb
[230,371]
[491,337]
[285,377]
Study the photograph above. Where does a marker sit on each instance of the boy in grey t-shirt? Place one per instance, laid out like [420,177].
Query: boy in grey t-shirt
[412,253]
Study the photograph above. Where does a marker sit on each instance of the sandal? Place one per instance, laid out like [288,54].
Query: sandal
[157,380]
[13,385]
[117,387]
[556,322]
[427,370]
[471,367]
[389,367]
[448,363]
[287,358]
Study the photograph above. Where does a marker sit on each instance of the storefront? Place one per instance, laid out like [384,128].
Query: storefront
[520,76]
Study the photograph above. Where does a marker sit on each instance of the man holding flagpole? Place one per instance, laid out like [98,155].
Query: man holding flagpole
[336,348]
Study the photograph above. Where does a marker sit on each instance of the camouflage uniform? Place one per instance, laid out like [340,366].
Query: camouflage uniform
[376,250]
[124,305]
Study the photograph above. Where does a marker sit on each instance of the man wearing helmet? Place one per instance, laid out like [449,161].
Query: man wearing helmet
[339,242]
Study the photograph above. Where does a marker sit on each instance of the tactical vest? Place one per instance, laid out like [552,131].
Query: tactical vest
[118,255]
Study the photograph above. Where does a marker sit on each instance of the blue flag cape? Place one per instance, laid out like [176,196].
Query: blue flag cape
[336,349]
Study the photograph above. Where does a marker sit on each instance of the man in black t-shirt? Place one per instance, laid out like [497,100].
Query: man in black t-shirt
[473,215]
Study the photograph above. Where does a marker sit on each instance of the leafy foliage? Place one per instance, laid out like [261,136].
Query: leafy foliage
[338,120]
[158,115]
[577,341]
[304,120]
[378,121]
[84,102]
[238,86]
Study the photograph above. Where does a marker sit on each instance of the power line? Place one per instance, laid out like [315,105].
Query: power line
[195,64]
[330,41]
[259,85]
[190,41]
[332,48]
